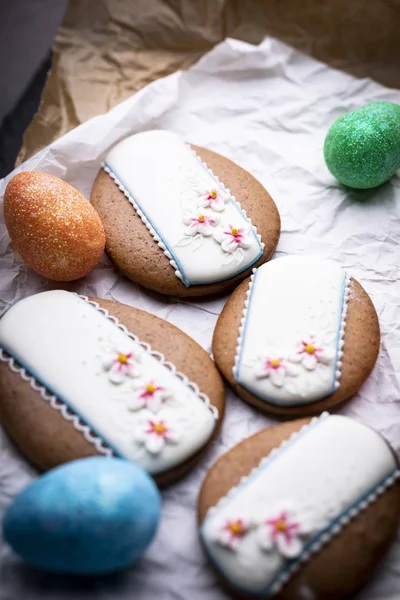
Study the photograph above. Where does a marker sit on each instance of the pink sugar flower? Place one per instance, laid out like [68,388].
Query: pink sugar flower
[121,363]
[276,369]
[231,238]
[155,434]
[200,223]
[214,199]
[231,533]
[149,395]
[283,533]
[310,351]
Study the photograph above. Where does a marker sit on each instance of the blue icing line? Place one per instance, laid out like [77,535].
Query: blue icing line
[185,280]
[276,401]
[338,331]
[245,326]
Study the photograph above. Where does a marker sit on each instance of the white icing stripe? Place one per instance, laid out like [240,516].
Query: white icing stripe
[314,484]
[291,334]
[121,392]
[190,214]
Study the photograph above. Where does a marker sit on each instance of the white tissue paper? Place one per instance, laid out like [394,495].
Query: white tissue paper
[268,108]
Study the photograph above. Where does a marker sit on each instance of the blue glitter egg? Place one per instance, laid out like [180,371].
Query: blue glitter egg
[362,148]
[90,516]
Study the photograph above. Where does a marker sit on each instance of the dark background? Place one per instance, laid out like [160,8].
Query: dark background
[27,29]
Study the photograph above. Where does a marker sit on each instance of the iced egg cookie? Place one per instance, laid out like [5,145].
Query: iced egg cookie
[298,337]
[182,220]
[305,509]
[81,377]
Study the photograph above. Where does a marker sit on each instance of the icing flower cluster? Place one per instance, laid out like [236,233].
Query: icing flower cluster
[280,530]
[204,220]
[308,354]
[123,365]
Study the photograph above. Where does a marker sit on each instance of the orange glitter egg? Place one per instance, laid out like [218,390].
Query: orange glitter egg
[52,226]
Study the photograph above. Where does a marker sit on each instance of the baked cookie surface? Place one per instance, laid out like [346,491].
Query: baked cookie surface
[182,220]
[299,337]
[286,512]
[81,377]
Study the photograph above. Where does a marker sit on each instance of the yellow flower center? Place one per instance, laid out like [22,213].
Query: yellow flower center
[234,231]
[213,194]
[201,218]
[159,428]
[236,528]
[275,362]
[281,526]
[150,388]
[310,349]
[123,359]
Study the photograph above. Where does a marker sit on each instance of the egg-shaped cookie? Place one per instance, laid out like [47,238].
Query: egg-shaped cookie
[305,509]
[298,337]
[180,219]
[81,377]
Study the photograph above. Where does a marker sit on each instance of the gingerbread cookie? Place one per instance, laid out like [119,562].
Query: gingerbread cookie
[182,220]
[81,377]
[305,509]
[298,337]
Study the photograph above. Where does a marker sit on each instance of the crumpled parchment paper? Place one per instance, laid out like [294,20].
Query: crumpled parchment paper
[268,108]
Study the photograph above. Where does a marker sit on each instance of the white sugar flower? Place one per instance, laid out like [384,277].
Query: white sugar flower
[283,531]
[149,395]
[275,368]
[231,237]
[231,532]
[122,362]
[200,222]
[214,199]
[310,351]
[154,434]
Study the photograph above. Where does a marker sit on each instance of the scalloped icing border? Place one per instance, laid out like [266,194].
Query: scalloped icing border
[68,414]
[151,229]
[239,342]
[339,343]
[326,537]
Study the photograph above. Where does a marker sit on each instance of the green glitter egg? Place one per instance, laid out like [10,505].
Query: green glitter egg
[362,148]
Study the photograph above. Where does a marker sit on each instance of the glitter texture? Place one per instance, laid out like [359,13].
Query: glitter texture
[52,226]
[362,148]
